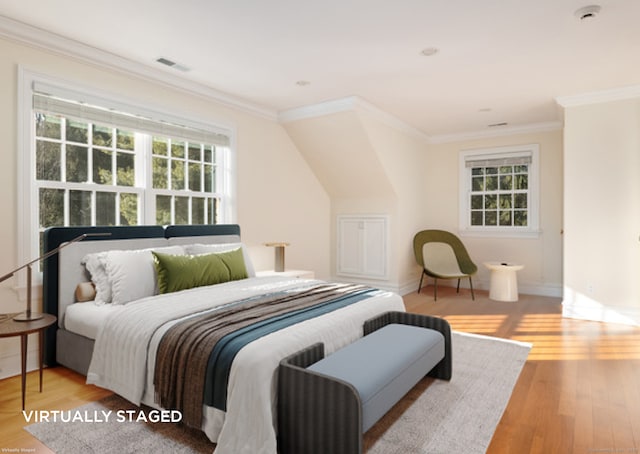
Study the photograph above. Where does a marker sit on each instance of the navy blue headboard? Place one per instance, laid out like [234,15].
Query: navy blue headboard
[172,231]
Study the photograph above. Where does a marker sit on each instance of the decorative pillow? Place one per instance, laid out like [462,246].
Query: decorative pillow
[85,291]
[183,272]
[94,263]
[234,261]
[132,274]
[197,249]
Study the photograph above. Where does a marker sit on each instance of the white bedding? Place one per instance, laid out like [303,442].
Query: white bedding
[124,355]
[87,318]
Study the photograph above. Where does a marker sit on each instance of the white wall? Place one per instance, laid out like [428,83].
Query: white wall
[542,256]
[369,166]
[278,196]
[405,159]
[602,211]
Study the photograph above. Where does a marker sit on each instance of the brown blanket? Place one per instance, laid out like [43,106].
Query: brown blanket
[183,353]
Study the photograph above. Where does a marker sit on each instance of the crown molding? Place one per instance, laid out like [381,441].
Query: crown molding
[354,103]
[391,120]
[25,34]
[350,103]
[595,97]
[498,132]
[318,110]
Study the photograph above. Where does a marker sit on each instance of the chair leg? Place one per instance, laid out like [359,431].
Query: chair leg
[471,285]
[458,287]
[435,289]
[420,284]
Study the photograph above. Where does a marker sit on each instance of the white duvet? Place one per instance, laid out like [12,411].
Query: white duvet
[124,355]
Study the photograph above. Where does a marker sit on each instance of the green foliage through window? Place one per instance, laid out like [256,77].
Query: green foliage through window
[499,196]
[87,174]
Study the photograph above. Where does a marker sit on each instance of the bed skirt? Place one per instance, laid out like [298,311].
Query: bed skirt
[73,351]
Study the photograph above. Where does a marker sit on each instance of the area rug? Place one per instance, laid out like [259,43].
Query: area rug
[459,416]
[435,417]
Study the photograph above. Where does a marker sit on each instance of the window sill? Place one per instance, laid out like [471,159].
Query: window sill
[500,233]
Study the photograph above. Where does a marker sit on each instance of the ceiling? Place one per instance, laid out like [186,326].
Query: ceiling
[497,61]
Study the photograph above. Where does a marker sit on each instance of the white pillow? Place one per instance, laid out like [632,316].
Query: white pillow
[198,248]
[94,263]
[132,274]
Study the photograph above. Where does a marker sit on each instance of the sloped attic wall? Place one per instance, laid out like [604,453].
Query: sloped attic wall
[340,153]
[368,167]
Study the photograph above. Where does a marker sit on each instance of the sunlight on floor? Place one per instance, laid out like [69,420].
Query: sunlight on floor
[555,348]
[556,338]
[480,324]
[538,321]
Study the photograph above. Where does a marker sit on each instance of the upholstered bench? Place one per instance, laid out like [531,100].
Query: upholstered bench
[325,404]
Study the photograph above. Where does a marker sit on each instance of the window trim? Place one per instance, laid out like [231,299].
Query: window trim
[27,242]
[515,151]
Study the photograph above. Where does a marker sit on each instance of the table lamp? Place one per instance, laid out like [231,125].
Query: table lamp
[279,255]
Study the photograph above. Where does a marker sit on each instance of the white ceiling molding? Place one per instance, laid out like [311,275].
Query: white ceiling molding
[350,103]
[615,94]
[35,37]
[390,120]
[353,103]
[497,132]
[318,110]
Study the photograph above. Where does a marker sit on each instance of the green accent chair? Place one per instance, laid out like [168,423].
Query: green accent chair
[442,255]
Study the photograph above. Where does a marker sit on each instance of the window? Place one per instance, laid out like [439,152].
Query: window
[97,161]
[499,191]
[84,173]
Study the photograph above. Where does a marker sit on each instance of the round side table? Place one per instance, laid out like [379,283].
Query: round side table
[504,281]
[10,328]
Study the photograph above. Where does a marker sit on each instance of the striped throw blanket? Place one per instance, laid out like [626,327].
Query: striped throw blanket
[185,351]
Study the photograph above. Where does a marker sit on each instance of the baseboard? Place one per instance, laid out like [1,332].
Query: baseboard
[552,290]
[579,306]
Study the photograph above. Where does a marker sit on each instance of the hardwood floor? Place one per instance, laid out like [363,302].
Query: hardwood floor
[63,389]
[579,391]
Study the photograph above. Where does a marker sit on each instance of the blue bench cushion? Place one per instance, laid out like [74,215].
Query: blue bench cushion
[384,365]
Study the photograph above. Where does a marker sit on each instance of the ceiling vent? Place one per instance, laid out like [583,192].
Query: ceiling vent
[172,64]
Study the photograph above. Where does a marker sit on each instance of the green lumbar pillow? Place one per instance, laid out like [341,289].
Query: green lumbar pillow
[181,272]
[234,261]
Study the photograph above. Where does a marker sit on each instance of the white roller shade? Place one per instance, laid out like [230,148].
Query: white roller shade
[498,162]
[80,106]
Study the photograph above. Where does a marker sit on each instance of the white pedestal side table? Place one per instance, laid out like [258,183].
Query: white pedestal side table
[504,281]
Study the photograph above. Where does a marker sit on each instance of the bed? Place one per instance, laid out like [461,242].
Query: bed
[116,343]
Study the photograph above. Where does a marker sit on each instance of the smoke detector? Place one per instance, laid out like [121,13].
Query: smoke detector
[587,12]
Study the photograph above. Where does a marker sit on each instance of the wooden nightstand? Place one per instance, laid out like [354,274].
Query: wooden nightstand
[10,328]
